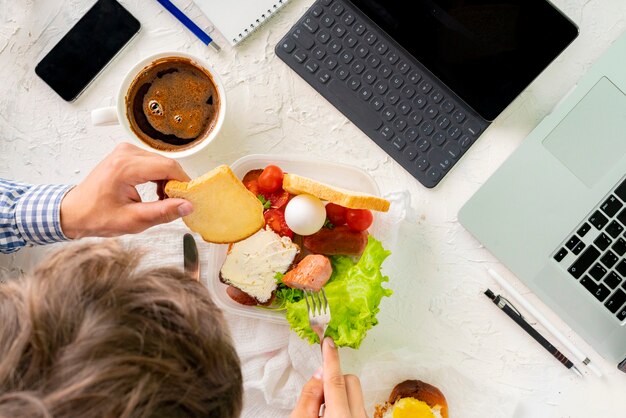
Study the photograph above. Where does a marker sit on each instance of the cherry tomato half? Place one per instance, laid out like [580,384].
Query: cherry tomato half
[271,179]
[275,218]
[251,181]
[359,219]
[279,198]
[336,214]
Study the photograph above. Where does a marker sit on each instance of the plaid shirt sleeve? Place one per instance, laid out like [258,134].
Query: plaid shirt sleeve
[30,215]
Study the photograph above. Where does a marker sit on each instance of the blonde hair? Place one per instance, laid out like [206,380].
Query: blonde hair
[90,335]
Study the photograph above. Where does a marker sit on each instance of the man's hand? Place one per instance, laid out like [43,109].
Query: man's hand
[341,393]
[106,203]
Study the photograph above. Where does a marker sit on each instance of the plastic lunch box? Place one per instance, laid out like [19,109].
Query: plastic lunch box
[340,175]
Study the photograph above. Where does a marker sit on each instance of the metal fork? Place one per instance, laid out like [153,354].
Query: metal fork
[319,312]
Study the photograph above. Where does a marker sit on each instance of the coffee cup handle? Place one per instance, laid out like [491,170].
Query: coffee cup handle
[104,116]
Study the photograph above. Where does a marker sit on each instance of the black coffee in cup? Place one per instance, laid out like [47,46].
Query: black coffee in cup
[172,104]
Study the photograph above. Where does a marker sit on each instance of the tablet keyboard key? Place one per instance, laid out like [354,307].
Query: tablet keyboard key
[415,77]
[399,143]
[310,24]
[439,138]
[411,135]
[465,141]
[422,163]
[350,41]
[410,153]
[454,132]
[337,9]
[288,45]
[423,145]
[377,103]
[453,151]
[433,174]
[359,28]
[437,96]
[400,124]
[300,56]
[317,10]
[323,36]
[371,38]
[303,39]
[386,133]
[339,31]
[323,76]
[365,93]
[328,20]
[393,97]
[331,63]
[348,19]
[621,268]
[415,118]
[425,87]
[621,314]
[447,106]
[473,127]
[428,128]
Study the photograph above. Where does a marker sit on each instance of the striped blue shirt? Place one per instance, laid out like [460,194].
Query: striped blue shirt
[30,215]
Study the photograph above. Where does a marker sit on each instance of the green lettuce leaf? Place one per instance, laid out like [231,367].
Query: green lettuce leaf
[354,292]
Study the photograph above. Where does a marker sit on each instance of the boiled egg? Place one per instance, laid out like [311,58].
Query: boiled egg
[305,214]
[412,408]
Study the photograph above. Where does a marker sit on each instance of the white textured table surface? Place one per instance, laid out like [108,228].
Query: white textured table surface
[438,269]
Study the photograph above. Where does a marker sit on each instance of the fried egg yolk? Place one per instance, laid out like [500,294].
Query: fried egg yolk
[412,408]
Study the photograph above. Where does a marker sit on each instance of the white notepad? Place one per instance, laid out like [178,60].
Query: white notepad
[236,19]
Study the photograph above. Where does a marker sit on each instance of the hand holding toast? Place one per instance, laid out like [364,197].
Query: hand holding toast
[107,204]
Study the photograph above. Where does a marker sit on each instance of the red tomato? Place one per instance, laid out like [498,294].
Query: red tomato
[271,179]
[250,180]
[278,199]
[336,214]
[359,219]
[275,218]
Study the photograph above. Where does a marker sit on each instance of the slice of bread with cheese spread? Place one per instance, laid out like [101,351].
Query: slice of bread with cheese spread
[224,210]
[295,184]
[251,265]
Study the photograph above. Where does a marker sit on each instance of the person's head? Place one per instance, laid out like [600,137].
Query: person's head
[90,335]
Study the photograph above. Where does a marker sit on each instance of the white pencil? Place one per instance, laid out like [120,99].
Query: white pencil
[543,321]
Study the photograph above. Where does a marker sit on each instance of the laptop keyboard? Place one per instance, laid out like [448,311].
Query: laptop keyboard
[594,253]
[390,96]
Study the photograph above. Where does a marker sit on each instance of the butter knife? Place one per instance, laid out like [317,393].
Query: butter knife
[191,263]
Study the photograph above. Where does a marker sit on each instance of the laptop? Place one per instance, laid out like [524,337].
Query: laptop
[555,212]
[424,79]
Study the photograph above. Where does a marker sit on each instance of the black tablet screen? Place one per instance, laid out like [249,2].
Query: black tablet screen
[486,51]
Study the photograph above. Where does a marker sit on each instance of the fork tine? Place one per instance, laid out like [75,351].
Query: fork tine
[306,299]
[326,310]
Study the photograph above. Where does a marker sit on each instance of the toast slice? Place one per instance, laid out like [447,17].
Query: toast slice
[224,210]
[295,184]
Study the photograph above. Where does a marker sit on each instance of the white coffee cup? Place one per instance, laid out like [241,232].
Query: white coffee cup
[117,114]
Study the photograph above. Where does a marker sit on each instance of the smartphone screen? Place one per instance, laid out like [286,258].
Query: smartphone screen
[87,48]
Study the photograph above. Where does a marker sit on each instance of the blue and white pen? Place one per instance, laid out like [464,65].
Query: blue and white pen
[188,23]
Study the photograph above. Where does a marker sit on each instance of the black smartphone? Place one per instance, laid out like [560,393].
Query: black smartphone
[87,48]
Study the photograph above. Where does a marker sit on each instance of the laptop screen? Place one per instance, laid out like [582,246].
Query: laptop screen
[486,51]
